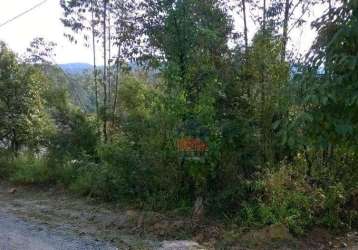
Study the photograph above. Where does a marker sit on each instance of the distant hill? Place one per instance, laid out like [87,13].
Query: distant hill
[79,68]
[75,81]
[76,68]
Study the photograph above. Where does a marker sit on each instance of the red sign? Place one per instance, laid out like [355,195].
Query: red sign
[191,145]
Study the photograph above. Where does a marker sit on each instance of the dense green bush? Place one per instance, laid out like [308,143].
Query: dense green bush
[5,169]
[282,197]
[28,169]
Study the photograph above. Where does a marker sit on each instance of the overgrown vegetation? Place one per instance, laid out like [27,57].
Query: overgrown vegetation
[278,139]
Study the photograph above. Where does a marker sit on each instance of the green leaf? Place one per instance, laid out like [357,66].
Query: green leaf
[307,117]
[276,124]
[344,129]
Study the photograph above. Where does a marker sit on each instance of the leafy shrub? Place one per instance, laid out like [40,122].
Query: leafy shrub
[28,169]
[76,136]
[333,206]
[285,198]
[5,168]
[84,181]
[64,171]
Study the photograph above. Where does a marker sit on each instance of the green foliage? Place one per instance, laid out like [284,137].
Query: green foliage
[76,135]
[5,169]
[267,77]
[284,197]
[28,169]
[24,121]
[280,146]
[333,204]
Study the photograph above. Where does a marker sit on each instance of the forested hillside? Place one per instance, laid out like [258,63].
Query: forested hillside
[210,123]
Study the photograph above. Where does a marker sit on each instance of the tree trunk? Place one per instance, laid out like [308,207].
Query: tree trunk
[109,72]
[243,2]
[14,143]
[94,61]
[246,85]
[330,10]
[117,84]
[105,70]
[264,17]
[308,161]
[285,30]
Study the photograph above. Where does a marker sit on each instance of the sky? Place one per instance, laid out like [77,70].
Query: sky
[41,22]
[45,22]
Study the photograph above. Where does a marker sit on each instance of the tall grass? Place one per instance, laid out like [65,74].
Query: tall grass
[28,169]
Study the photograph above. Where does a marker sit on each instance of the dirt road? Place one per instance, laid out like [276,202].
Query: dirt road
[17,234]
[49,218]
[46,219]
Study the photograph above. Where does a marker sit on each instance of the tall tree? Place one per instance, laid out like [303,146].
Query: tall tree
[331,102]
[267,76]
[111,24]
[105,70]
[40,51]
[126,40]
[294,15]
[264,15]
[94,53]
[183,32]
[189,39]
[23,121]
[244,17]
[82,16]
[285,29]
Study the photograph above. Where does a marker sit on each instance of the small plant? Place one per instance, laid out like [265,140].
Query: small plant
[333,206]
